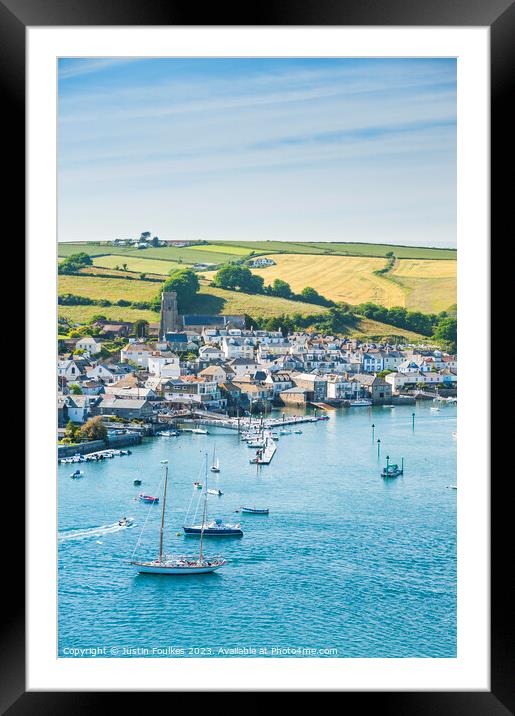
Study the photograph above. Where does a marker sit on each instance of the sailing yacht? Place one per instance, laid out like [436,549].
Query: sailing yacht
[177,564]
[215,467]
[213,528]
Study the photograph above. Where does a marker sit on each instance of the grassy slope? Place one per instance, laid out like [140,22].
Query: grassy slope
[429,286]
[209,300]
[200,254]
[138,264]
[342,249]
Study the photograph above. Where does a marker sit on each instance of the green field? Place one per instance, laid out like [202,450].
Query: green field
[210,301]
[341,249]
[137,264]
[188,255]
[111,289]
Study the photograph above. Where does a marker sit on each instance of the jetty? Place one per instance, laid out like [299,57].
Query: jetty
[264,457]
[205,418]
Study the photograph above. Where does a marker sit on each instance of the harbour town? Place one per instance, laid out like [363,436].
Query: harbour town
[300,450]
[257,360]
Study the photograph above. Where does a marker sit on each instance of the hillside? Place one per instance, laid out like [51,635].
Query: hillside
[416,284]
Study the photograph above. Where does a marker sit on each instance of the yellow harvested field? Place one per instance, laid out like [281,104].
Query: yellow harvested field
[417,284]
[425,268]
[340,278]
[430,286]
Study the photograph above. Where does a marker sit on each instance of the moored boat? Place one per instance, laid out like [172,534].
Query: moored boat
[215,528]
[148,499]
[392,470]
[215,467]
[211,528]
[255,510]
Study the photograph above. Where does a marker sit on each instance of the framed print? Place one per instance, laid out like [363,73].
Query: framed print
[251,464]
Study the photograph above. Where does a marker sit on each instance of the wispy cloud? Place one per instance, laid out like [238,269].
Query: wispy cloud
[156,141]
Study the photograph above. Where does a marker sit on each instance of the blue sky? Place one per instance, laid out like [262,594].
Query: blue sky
[256,149]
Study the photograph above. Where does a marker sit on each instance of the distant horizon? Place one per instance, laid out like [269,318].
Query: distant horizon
[243,241]
[352,150]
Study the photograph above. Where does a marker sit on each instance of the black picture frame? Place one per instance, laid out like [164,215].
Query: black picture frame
[499,15]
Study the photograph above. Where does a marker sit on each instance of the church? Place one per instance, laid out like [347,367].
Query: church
[171,321]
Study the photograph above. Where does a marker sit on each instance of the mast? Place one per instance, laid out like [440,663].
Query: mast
[204,514]
[161,535]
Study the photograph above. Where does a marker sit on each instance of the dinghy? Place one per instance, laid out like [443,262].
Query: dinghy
[255,510]
[148,499]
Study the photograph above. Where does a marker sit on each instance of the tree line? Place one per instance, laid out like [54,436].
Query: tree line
[235,277]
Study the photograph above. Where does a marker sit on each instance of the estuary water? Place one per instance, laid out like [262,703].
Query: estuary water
[345,565]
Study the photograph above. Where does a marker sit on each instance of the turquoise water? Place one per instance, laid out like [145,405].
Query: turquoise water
[346,564]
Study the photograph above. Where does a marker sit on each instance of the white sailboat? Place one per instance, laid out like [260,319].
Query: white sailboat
[215,467]
[177,564]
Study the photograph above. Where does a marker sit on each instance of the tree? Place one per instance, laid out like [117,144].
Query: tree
[447,331]
[74,263]
[155,241]
[71,430]
[140,328]
[280,288]
[186,285]
[145,235]
[93,429]
[310,295]
[75,389]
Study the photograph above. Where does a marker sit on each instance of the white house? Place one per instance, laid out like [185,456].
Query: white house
[261,262]
[234,347]
[136,353]
[68,369]
[339,388]
[164,366]
[89,344]
[210,353]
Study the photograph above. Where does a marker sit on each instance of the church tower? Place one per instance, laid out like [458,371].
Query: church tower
[169,314]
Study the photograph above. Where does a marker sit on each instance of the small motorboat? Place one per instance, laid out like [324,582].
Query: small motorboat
[452,487]
[357,404]
[255,510]
[298,432]
[199,431]
[169,433]
[125,522]
[137,482]
[148,499]
[198,485]
[219,493]
[77,474]
[284,432]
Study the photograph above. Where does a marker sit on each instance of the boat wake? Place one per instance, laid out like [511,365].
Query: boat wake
[68,535]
